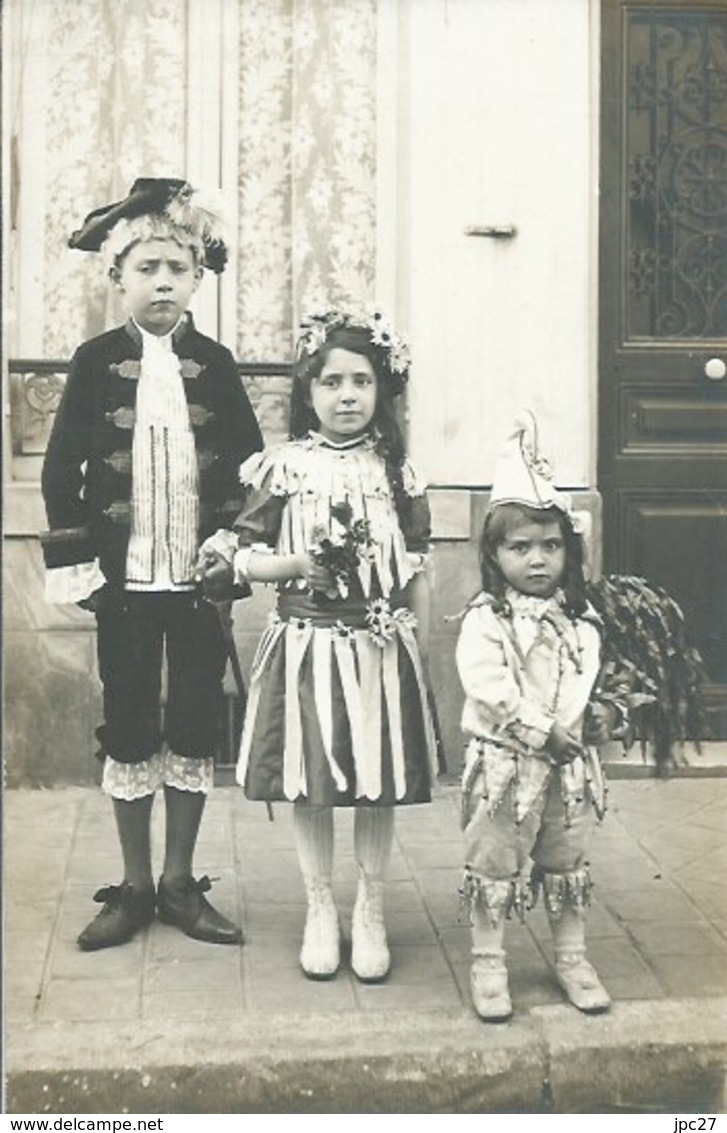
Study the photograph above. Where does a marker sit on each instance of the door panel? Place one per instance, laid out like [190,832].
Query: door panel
[685,524]
[663,310]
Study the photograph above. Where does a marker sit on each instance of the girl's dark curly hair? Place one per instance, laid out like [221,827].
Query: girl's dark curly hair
[499,521]
[384,426]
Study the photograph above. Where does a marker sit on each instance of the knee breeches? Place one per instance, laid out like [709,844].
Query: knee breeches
[134,631]
[499,848]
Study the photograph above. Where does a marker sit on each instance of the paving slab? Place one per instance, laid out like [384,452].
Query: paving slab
[166,1024]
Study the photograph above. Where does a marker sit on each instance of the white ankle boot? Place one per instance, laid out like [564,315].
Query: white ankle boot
[370,957]
[576,976]
[488,974]
[581,984]
[320,954]
[489,988]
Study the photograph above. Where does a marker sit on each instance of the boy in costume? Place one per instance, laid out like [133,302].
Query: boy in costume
[529,659]
[142,465]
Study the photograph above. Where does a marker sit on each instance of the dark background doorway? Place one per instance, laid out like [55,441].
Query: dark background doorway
[663,311]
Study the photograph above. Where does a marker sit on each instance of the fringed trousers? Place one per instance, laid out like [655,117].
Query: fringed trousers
[498,851]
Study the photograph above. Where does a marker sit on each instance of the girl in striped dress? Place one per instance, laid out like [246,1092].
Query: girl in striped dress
[338,714]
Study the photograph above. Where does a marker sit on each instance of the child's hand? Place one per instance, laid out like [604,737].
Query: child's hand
[317,578]
[93,602]
[217,577]
[599,723]
[562,745]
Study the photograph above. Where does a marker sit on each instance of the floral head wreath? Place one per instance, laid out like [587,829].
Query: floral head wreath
[390,349]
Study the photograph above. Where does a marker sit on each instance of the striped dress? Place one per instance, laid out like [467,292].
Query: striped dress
[338,712]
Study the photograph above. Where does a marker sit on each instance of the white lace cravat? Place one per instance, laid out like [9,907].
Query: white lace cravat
[163,542]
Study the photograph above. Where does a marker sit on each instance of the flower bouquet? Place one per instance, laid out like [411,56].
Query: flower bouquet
[341,548]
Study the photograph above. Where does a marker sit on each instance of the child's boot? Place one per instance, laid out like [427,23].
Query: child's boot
[370,956]
[320,954]
[577,977]
[373,836]
[574,973]
[488,974]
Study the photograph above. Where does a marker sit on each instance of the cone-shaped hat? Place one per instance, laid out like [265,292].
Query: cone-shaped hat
[523,475]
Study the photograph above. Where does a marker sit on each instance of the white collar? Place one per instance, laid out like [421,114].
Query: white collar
[153,340]
[340,446]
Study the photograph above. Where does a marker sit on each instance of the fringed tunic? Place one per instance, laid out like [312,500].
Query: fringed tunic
[520,675]
[338,711]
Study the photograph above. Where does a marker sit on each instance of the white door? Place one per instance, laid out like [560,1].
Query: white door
[500,137]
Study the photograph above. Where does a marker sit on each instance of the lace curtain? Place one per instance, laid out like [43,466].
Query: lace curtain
[115,107]
[307,167]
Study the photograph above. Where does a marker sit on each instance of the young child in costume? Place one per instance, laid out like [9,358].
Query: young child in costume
[338,714]
[141,466]
[528,657]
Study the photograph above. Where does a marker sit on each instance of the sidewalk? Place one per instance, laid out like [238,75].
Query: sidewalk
[168,1025]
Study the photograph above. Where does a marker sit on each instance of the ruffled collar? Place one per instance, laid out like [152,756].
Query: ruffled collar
[533,617]
[317,440]
[530,606]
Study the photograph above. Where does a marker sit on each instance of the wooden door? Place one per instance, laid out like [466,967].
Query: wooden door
[663,310]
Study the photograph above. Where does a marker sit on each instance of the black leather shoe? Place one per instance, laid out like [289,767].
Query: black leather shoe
[125,911]
[182,904]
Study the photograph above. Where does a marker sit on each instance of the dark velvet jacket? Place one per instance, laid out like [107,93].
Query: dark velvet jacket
[87,470]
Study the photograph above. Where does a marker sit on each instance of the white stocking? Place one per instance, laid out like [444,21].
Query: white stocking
[314,841]
[373,836]
[487,939]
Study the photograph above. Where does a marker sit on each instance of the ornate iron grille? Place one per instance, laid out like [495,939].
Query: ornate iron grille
[676,172]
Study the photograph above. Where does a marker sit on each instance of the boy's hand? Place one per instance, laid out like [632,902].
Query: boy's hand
[93,601]
[599,724]
[562,746]
[217,577]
